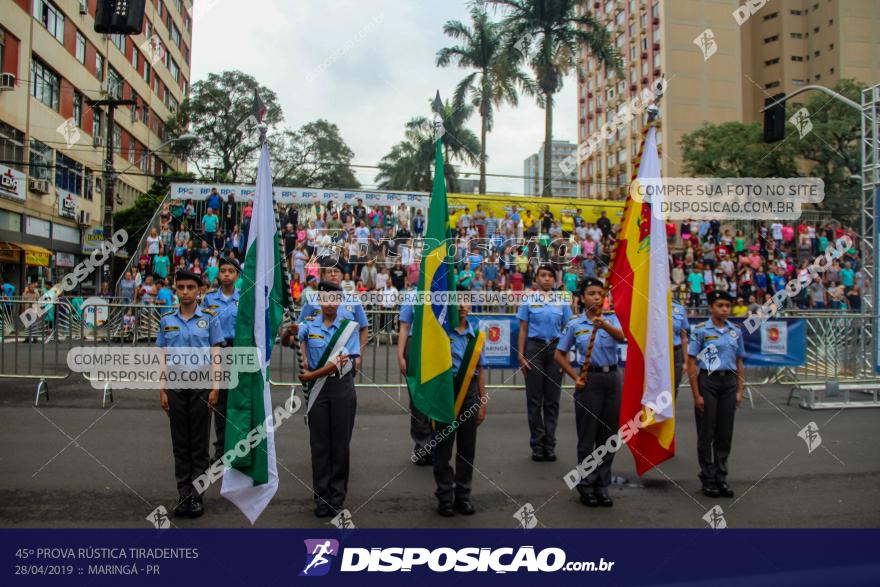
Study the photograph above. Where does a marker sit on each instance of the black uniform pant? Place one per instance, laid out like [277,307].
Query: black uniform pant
[220,423]
[715,425]
[455,483]
[678,366]
[542,394]
[597,418]
[419,426]
[190,435]
[331,421]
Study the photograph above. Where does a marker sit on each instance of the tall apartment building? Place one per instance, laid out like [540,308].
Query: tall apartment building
[52,140]
[724,76]
[563,184]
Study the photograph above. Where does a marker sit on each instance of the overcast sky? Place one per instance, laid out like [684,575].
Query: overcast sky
[365,65]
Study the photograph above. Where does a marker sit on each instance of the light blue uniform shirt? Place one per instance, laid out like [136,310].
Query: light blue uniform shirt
[317,336]
[679,322]
[576,337]
[406,316]
[200,330]
[724,346]
[226,309]
[349,309]
[545,320]
[459,344]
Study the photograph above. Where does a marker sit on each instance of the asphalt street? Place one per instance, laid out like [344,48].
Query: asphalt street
[70,463]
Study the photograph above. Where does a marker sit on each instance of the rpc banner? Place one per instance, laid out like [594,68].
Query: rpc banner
[241,193]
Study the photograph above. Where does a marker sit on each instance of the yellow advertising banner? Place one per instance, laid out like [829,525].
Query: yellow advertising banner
[563,209]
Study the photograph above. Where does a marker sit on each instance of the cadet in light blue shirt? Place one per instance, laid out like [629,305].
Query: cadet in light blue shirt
[542,321]
[419,425]
[188,406]
[331,417]
[717,375]
[597,387]
[680,328]
[224,303]
[453,491]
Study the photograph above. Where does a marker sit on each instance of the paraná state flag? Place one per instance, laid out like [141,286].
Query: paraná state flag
[429,371]
[253,479]
[640,288]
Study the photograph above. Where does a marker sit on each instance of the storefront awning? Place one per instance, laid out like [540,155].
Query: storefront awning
[10,253]
[36,256]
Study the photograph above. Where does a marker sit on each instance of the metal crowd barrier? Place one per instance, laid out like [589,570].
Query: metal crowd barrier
[34,339]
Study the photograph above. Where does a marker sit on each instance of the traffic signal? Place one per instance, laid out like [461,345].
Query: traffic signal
[774,119]
[120,17]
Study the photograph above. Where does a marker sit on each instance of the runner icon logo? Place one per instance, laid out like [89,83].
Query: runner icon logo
[319,556]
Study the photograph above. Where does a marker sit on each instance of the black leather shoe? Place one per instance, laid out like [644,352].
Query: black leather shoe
[710,490]
[589,499]
[445,509]
[464,507]
[604,500]
[724,490]
[538,454]
[181,510]
[196,508]
[322,510]
[550,455]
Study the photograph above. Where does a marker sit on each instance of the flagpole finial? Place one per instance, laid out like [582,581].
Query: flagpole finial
[263,130]
[437,104]
[653,113]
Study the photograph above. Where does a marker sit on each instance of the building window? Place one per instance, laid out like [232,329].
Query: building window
[771,85]
[41,159]
[68,174]
[770,62]
[88,184]
[45,84]
[771,16]
[797,58]
[96,124]
[80,48]
[771,39]
[797,35]
[174,70]
[52,18]
[78,109]
[11,146]
[134,57]
[117,139]
[99,66]
[119,41]
[798,82]
[114,83]
[174,33]
[797,12]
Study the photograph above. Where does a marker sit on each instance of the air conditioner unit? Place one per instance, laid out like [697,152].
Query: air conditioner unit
[7,81]
[39,186]
[98,141]
[84,218]
[83,7]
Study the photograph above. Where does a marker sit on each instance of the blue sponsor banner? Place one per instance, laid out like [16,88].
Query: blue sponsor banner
[438,557]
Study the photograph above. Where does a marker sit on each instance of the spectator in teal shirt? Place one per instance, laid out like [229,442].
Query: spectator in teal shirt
[161,263]
[570,279]
[210,222]
[847,276]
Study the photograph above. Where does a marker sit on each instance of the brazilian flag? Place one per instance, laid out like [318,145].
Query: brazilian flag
[429,371]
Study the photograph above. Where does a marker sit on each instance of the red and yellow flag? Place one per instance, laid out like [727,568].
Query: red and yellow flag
[640,288]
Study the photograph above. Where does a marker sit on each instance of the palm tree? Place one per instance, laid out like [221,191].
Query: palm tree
[408,164]
[496,78]
[548,33]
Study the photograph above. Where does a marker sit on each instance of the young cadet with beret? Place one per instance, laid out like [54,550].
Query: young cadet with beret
[717,375]
[541,322]
[330,345]
[224,303]
[597,387]
[454,485]
[189,409]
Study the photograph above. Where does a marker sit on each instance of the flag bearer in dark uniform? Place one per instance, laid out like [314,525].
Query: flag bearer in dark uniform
[330,345]
[454,485]
[541,322]
[224,303]
[597,387]
[189,409]
[717,376]
[419,426]
[680,327]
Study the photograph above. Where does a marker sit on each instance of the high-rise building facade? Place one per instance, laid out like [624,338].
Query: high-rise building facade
[52,140]
[563,184]
[717,62]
